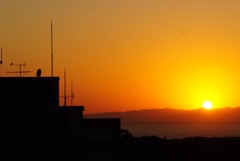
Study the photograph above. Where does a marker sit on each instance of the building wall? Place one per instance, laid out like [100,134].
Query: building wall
[100,139]
[34,135]
[53,135]
[34,126]
[29,91]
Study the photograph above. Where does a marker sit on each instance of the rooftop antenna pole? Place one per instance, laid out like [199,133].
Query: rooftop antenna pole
[20,70]
[1,58]
[65,91]
[52,48]
[72,95]
[20,66]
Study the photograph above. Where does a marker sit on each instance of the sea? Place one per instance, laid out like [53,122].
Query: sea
[183,130]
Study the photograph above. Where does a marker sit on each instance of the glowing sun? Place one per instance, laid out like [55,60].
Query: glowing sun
[207,105]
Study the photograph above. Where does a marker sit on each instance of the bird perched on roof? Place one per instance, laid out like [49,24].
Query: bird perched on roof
[39,72]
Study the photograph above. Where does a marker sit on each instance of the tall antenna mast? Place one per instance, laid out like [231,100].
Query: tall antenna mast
[51,48]
[65,96]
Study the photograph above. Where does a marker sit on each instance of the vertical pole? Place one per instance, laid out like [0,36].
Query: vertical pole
[65,95]
[20,70]
[51,48]
[72,93]
[1,57]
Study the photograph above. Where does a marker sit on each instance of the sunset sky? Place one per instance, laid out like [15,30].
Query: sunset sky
[129,54]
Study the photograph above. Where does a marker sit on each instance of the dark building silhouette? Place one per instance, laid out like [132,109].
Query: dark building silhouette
[26,92]
[34,126]
[100,139]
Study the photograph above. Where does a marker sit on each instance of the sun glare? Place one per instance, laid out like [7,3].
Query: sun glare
[207,105]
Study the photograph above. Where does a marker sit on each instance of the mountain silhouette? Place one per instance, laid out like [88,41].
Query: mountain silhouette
[167,115]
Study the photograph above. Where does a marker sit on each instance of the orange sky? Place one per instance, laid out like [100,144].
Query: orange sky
[129,54]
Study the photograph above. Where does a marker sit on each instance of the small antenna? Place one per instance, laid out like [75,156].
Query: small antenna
[65,96]
[72,94]
[20,69]
[1,58]
[65,89]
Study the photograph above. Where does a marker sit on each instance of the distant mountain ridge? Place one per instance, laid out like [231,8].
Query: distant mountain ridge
[167,115]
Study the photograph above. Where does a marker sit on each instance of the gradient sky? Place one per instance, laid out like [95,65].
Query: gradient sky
[129,54]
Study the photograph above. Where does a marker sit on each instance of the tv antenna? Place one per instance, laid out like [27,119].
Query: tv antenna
[72,94]
[65,97]
[20,69]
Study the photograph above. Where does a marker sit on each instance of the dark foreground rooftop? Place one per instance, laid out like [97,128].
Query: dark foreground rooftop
[29,91]
[34,126]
